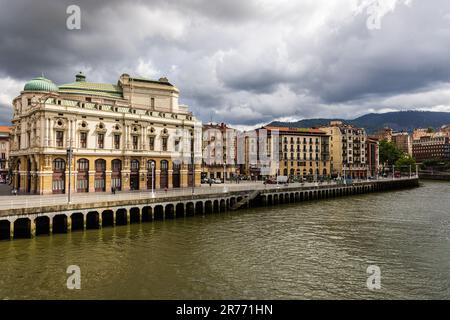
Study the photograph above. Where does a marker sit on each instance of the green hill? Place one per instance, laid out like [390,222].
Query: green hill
[399,121]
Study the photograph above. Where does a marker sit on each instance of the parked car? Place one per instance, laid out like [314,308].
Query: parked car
[217,181]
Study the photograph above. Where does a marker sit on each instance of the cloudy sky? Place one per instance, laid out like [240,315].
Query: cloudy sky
[242,62]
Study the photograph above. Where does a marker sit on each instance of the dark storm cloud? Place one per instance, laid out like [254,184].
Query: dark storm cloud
[408,53]
[244,62]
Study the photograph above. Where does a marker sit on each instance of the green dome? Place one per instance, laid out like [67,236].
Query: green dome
[40,84]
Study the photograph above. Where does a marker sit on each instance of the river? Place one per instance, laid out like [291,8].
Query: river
[312,250]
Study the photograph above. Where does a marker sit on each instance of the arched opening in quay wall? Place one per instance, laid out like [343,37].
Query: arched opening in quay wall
[190,209]
[223,205]
[159,212]
[22,228]
[170,211]
[208,207]
[92,220]
[135,215]
[121,217]
[107,218]
[146,214]
[42,224]
[5,229]
[199,207]
[179,210]
[60,223]
[77,221]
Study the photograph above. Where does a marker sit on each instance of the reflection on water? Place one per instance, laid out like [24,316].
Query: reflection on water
[303,251]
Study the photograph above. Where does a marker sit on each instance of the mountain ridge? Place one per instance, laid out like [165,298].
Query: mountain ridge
[372,122]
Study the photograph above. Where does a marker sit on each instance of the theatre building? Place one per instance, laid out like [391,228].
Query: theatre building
[132,135]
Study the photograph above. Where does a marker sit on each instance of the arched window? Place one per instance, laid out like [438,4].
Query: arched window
[83,165]
[116,174]
[164,174]
[59,176]
[83,175]
[59,165]
[151,183]
[134,175]
[176,175]
[100,175]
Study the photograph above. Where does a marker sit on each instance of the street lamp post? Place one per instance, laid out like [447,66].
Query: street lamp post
[193,171]
[69,163]
[224,170]
[152,165]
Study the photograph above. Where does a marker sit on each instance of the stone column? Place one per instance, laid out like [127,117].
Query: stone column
[128,216]
[50,132]
[198,174]
[108,180]
[100,220]
[11,230]
[125,180]
[91,179]
[142,178]
[69,223]
[157,173]
[184,172]
[50,227]
[170,175]
[33,227]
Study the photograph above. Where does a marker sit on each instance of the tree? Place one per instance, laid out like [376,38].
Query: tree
[405,162]
[389,153]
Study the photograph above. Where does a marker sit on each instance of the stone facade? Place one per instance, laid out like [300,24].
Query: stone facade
[219,151]
[432,148]
[348,150]
[403,142]
[298,153]
[4,153]
[373,155]
[114,132]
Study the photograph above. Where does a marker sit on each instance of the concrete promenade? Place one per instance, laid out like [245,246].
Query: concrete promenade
[32,201]
[28,216]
